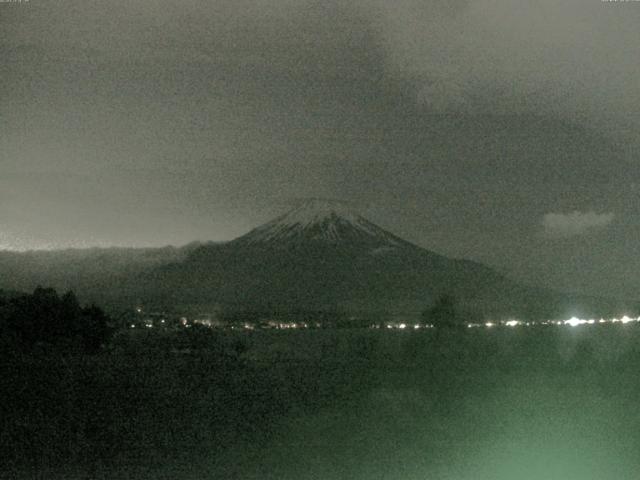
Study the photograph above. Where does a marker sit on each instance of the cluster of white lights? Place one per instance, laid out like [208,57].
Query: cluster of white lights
[406,326]
[284,326]
[572,322]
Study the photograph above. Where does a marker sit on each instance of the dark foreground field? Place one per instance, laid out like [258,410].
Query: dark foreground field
[548,403]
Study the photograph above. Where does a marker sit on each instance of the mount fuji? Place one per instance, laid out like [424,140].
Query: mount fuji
[318,220]
[322,255]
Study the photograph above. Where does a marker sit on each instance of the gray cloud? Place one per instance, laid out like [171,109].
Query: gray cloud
[566,58]
[200,119]
[575,223]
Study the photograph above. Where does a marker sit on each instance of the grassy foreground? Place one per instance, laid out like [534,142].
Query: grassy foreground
[544,403]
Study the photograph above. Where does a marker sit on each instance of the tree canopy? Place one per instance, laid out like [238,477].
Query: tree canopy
[443,313]
[46,317]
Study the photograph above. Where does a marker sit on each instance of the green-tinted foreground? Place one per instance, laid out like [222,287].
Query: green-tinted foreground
[547,403]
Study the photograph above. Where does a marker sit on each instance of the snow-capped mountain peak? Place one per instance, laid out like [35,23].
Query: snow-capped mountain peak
[320,220]
[317,211]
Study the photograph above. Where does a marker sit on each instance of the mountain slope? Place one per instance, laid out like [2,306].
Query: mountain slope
[322,256]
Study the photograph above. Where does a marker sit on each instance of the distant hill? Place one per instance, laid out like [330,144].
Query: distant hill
[94,273]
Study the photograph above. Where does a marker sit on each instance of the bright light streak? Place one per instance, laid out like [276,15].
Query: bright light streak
[489,324]
[512,323]
[574,322]
[402,326]
[625,319]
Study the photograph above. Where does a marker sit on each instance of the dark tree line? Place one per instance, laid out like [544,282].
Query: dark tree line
[443,313]
[47,318]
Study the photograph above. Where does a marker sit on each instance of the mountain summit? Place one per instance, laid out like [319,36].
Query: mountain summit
[319,220]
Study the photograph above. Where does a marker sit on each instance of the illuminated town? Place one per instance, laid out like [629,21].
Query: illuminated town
[163,320]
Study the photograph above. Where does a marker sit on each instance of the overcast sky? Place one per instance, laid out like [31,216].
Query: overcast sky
[501,131]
